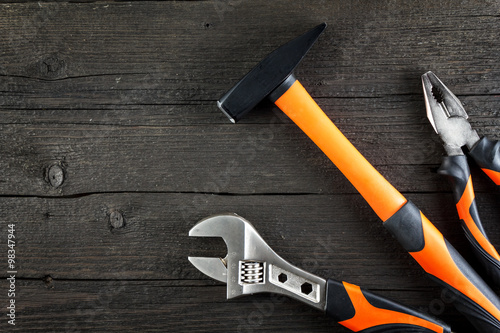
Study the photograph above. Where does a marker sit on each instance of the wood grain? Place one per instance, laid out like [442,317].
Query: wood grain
[118,100]
[68,250]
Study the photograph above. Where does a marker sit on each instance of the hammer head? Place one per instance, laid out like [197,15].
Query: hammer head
[267,75]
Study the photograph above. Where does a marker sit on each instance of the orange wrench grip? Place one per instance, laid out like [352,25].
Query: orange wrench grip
[361,311]
[384,199]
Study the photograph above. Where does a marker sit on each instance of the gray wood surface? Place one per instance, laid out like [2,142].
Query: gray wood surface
[112,148]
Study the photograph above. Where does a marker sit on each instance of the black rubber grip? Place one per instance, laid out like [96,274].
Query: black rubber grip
[361,311]
[486,153]
[456,170]
[474,298]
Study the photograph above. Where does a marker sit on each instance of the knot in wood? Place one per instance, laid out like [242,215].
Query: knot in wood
[55,175]
[52,67]
[116,219]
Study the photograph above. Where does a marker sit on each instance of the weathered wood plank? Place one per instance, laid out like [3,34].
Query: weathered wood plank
[388,125]
[72,238]
[271,158]
[74,266]
[78,55]
[161,306]
[121,97]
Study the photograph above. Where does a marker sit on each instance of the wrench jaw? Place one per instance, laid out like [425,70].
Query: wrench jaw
[251,266]
[213,267]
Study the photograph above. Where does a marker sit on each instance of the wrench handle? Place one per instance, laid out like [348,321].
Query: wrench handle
[360,310]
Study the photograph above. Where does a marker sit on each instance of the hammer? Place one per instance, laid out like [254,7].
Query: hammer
[273,78]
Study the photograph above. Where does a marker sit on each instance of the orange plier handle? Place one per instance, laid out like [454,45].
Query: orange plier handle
[486,153]
[456,169]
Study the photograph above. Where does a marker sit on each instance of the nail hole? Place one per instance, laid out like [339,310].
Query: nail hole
[49,282]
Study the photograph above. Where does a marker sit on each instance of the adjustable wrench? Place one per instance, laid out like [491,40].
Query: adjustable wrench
[251,266]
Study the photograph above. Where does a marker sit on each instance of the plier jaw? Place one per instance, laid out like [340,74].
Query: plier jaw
[447,115]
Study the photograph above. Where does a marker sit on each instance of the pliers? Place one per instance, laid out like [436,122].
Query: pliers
[449,119]
[251,266]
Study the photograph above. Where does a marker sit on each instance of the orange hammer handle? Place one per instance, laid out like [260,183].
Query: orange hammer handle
[384,199]
[473,297]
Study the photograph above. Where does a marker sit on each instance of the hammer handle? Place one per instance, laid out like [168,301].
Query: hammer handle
[474,298]
[384,199]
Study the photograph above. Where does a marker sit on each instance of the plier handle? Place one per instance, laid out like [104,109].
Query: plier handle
[449,119]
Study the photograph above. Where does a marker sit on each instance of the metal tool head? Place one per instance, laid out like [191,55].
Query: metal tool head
[267,75]
[236,232]
[239,268]
[251,266]
[447,115]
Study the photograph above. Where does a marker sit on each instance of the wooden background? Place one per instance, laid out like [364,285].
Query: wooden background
[118,101]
